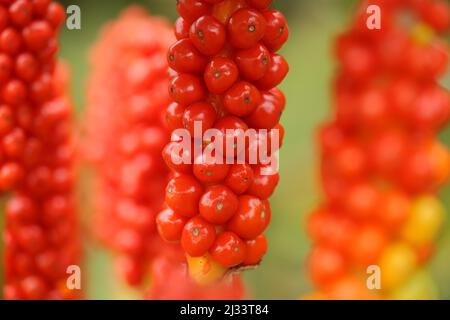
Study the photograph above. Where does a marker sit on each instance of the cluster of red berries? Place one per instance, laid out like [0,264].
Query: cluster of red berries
[381,161]
[128,87]
[224,73]
[36,158]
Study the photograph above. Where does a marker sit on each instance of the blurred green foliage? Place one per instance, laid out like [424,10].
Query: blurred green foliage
[314,24]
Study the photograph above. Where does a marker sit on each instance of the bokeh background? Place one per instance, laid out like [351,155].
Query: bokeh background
[314,25]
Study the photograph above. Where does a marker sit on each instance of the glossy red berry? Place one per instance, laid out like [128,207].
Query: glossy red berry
[218,204]
[208,35]
[181,28]
[191,10]
[250,219]
[256,249]
[220,74]
[208,170]
[228,250]
[183,57]
[277,31]
[240,178]
[200,113]
[263,185]
[246,28]
[278,69]
[198,236]
[182,195]
[187,89]
[174,116]
[170,225]
[253,63]
[242,99]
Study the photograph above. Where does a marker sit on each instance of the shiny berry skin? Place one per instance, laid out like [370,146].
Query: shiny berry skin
[181,29]
[182,195]
[183,57]
[246,28]
[208,170]
[277,31]
[250,219]
[208,35]
[170,225]
[228,250]
[263,186]
[177,158]
[253,63]
[200,112]
[187,89]
[278,69]
[256,249]
[268,113]
[198,236]
[242,99]
[191,10]
[240,178]
[218,204]
[174,116]
[220,74]
[233,131]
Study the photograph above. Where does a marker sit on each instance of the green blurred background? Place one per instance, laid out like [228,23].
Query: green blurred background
[314,25]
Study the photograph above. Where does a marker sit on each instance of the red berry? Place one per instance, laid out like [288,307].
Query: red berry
[253,63]
[209,170]
[201,113]
[246,28]
[174,116]
[268,113]
[170,225]
[242,99]
[221,73]
[37,35]
[191,10]
[251,218]
[240,178]
[183,194]
[228,250]
[198,236]
[278,69]
[181,28]
[218,204]
[256,249]
[177,158]
[21,12]
[263,186]
[187,89]
[277,31]
[208,35]
[183,57]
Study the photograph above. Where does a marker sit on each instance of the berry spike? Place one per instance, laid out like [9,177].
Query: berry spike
[382,163]
[125,134]
[37,155]
[224,71]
